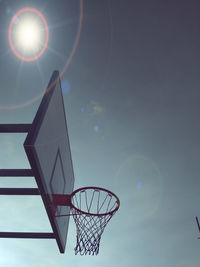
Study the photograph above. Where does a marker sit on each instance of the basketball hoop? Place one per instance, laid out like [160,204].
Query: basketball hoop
[92,208]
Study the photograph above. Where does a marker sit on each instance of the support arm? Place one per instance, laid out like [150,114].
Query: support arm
[15,128]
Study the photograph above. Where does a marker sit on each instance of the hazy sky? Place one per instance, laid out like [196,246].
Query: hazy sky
[131,92]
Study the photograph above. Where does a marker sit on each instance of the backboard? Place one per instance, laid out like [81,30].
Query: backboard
[48,151]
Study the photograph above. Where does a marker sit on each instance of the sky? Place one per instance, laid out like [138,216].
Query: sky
[130,80]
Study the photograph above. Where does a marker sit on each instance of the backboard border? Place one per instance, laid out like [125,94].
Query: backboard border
[32,155]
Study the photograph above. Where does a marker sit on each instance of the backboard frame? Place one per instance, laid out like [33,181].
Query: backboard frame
[34,160]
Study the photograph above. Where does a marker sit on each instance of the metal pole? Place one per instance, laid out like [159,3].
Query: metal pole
[19,191]
[16,172]
[15,128]
[26,235]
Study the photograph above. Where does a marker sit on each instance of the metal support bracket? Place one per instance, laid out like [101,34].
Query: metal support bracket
[16,173]
[15,128]
[20,128]
[20,191]
[27,235]
[61,200]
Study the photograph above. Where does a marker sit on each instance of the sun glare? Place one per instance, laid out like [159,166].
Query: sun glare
[28,36]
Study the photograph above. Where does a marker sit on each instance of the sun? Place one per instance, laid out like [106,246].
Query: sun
[28,36]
